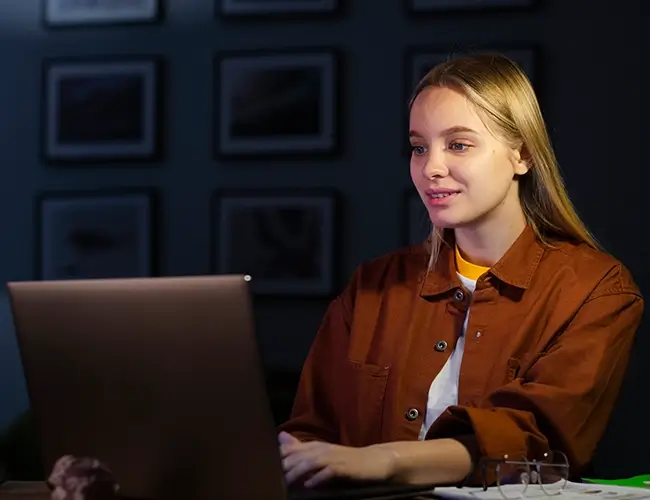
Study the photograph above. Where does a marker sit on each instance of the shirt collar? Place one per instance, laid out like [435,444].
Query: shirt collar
[515,268]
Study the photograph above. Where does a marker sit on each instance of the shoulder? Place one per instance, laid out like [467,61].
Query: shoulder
[585,264]
[403,265]
[398,273]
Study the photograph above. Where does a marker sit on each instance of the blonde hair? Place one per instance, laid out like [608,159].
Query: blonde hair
[497,86]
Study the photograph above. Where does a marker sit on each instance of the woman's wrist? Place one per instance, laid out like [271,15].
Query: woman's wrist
[436,461]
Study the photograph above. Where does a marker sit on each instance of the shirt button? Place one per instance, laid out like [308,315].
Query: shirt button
[412,414]
[478,335]
[441,346]
[459,295]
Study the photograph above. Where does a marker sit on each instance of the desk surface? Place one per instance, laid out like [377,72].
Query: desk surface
[37,490]
[19,490]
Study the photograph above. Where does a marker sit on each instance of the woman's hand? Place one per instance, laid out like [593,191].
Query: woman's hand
[435,461]
[317,462]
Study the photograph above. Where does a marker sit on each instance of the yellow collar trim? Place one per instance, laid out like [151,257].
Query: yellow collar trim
[467,269]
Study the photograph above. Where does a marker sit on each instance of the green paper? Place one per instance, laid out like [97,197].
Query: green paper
[635,482]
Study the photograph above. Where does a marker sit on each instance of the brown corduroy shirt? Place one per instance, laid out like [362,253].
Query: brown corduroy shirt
[547,345]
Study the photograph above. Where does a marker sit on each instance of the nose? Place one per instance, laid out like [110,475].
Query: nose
[434,166]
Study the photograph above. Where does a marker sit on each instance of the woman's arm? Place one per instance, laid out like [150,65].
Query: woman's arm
[564,399]
[437,461]
[561,400]
[312,417]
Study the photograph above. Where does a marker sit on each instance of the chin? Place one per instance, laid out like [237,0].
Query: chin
[445,222]
[451,217]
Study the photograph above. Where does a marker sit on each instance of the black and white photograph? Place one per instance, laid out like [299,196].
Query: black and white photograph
[282,103]
[69,13]
[96,235]
[102,111]
[279,7]
[285,242]
[463,5]
[418,224]
[421,60]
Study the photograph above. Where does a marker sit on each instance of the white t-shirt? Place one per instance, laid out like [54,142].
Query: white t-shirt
[444,388]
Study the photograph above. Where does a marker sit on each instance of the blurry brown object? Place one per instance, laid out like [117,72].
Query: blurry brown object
[83,478]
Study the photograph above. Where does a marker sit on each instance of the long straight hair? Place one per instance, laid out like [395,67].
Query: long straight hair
[497,86]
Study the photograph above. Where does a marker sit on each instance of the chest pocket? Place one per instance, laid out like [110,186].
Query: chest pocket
[360,399]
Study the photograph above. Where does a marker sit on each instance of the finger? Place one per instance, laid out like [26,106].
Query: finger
[321,477]
[286,438]
[287,449]
[302,468]
[292,459]
[291,448]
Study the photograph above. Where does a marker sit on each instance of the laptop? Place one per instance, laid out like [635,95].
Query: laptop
[160,379]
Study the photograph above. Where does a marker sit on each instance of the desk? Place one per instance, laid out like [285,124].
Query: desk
[36,490]
[23,490]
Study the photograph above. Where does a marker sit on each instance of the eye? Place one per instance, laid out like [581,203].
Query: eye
[417,150]
[459,146]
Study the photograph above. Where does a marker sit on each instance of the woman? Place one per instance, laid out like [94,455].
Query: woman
[507,333]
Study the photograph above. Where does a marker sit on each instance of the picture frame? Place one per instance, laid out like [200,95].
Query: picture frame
[257,8]
[105,110]
[67,13]
[96,234]
[439,6]
[280,104]
[417,225]
[283,239]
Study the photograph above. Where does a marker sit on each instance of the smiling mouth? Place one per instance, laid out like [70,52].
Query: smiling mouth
[441,195]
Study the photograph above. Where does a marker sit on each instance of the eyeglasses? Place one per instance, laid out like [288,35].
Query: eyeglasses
[519,477]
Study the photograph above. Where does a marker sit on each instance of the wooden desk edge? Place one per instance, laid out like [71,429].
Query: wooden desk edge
[24,490]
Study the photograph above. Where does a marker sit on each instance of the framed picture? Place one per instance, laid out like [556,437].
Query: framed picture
[65,13]
[102,111]
[283,240]
[464,5]
[88,235]
[418,224]
[277,7]
[281,103]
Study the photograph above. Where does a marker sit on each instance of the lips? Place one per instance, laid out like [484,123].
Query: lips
[440,192]
[440,196]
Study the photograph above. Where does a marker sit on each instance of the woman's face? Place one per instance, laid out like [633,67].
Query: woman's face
[464,174]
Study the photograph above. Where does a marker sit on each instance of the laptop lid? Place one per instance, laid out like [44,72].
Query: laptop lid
[160,378]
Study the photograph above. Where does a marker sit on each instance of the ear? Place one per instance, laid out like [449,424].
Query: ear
[521,160]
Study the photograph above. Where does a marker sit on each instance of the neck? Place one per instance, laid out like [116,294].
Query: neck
[485,244]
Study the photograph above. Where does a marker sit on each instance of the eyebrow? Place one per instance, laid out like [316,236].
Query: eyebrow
[451,130]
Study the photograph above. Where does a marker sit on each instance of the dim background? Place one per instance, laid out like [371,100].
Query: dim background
[590,75]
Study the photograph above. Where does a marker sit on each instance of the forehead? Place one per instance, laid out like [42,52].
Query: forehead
[439,108]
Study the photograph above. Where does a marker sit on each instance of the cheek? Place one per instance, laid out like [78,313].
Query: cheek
[485,173]
[488,188]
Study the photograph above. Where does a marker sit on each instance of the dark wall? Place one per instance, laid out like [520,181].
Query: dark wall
[590,75]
